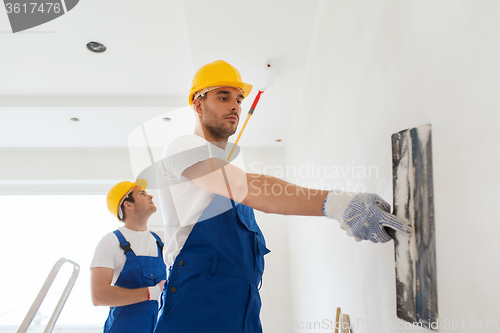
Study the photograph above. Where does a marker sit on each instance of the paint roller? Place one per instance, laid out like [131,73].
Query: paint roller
[267,76]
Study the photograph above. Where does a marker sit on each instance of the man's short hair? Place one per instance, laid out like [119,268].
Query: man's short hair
[128,198]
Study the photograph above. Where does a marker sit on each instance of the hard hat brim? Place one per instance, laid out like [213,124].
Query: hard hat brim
[246,87]
[142,183]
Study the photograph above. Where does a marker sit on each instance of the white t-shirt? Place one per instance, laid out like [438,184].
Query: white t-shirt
[108,252]
[181,201]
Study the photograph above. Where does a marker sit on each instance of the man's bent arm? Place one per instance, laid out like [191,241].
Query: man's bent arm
[103,293]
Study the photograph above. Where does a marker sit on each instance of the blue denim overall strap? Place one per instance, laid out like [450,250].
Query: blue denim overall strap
[138,272]
[214,281]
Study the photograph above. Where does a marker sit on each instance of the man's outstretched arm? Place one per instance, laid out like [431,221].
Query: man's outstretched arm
[361,215]
[276,196]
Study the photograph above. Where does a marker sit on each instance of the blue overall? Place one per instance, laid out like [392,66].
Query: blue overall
[214,281]
[138,272]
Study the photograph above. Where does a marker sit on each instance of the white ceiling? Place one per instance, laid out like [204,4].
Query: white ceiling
[154,47]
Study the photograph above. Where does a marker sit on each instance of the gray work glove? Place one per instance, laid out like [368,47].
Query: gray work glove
[363,216]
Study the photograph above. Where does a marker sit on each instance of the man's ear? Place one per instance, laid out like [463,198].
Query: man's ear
[197,107]
[127,204]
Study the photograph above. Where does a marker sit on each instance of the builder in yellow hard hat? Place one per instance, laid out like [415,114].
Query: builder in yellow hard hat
[128,271]
[221,82]
[216,249]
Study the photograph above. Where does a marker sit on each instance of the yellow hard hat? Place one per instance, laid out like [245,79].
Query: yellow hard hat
[119,192]
[217,73]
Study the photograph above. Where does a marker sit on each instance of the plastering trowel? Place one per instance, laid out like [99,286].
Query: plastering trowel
[416,277]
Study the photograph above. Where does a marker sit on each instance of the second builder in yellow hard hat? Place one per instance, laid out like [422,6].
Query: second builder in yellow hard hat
[215,250]
[128,271]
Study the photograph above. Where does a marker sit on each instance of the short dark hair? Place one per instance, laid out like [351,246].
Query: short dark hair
[128,198]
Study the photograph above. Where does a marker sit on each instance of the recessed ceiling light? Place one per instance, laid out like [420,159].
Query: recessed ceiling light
[96,47]
[74,119]
[167,119]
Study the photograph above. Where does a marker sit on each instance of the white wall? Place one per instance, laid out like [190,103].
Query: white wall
[374,68]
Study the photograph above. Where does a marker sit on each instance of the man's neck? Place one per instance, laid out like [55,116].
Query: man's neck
[136,224]
[221,143]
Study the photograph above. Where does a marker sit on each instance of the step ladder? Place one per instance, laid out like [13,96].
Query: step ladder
[43,292]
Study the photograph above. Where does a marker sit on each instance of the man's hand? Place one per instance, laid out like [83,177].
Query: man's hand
[155,292]
[363,216]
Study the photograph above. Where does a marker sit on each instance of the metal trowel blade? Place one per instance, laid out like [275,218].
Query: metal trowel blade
[416,276]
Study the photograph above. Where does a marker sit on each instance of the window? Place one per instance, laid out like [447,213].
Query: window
[37,230]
